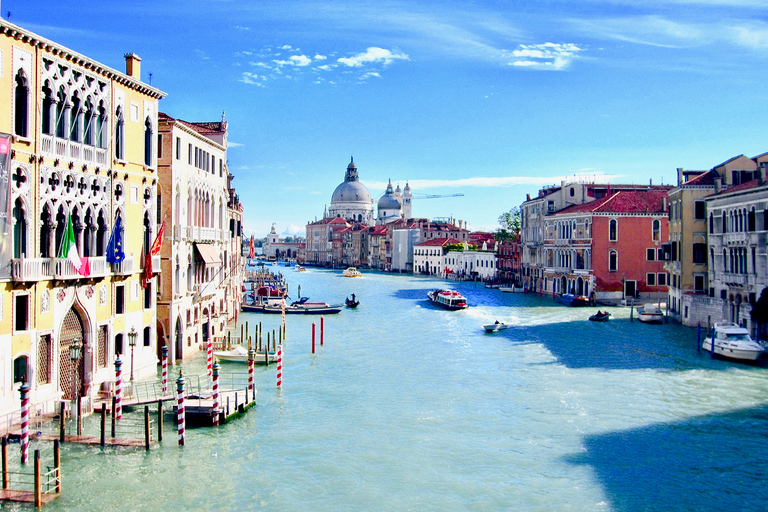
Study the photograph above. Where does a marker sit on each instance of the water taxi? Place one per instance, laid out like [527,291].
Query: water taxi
[650,313]
[448,299]
[352,272]
[734,342]
[495,327]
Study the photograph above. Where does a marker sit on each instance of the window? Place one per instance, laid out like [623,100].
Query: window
[148,138]
[119,134]
[711,223]
[21,313]
[699,253]
[178,148]
[698,283]
[613,261]
[661,279]
[147,336]
[44,353]
[189,153]
[612,230]
[21,106]
[650,279]
[660,253]
[20,369]
[751,220]
[650,254]
[656,230]
[699,210]
[159,146]
[119,344]
[119,299]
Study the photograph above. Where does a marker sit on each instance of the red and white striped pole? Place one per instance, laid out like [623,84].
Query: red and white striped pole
[165,369]
[251,362]
[282,307]
[180,407]
[209,358]
[280,366]
[118,388]
[313,337]
[24,390]
[322,330]
[215,411]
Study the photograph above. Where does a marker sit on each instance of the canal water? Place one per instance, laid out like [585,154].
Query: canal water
[409,407]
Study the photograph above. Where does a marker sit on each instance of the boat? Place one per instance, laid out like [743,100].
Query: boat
[299,268]
[650,313]
[239,354]
[600,316]
[300,307]
[448,299]
[570,299]
[495,327]
[511,289]
[734,342]
[351,303]
[352,272]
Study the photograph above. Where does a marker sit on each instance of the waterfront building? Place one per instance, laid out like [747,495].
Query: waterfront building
[351,200]
[737,240]
[403,242]
[508,261]
[277,248]
[321,235]
[354,245]
[203,265]
[429,256]
[472,263]
[79,160]
[377,251]
[608,249]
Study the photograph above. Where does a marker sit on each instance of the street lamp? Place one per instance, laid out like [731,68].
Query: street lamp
[132,335]
[75,351]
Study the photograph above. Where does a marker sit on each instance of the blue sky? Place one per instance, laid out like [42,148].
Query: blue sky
[491,99]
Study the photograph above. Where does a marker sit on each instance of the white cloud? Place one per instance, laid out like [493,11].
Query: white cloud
[372,55]
[543,56]
[495,182]
[294,60]
[286,47]
[231,144]
[252,79]
[320,57]
[238,27]
[324,67]
[202,54]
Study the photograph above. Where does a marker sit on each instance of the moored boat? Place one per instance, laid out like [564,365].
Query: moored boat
[650,314]
[448,299]
[300,307]
[511,289]
[734,342]
[239,354]
[570,299]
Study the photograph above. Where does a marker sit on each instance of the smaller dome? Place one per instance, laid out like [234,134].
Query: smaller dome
[389,202]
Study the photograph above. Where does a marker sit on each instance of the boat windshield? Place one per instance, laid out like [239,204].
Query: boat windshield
[738,337]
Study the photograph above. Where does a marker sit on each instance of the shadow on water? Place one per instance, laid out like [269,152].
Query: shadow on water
[412,294]
[623,345]
[711,462]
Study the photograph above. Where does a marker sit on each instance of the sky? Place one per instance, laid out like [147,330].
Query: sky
[490,99]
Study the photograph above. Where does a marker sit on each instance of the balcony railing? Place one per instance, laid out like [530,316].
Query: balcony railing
[64,269]
[735,238]
[730,278]
[64,148]
[31,269]
[125,267]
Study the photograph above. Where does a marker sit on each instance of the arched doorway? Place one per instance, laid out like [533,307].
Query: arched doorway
[580,286]
[161,340]
[71,329]
[563,285]
[179,340]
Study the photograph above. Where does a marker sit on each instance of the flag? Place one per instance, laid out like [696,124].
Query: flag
[115,253]
[252,250]
[158,243]
[68,247]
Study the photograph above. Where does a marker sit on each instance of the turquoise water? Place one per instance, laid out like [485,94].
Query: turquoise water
[408,407]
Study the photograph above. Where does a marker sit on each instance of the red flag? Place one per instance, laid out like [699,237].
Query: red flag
[147,274]
[252,251]
[158,243]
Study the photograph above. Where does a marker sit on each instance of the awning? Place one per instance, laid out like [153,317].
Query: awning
[208,253]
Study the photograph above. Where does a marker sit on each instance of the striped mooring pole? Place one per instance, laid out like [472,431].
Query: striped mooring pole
[165,369]
[180,407]
[24,390]
[280,366]
[209,357]
[251,362]
[118,388]
[215,368]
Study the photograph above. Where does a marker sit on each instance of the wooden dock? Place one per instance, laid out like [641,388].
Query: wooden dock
[232,404]
[90,440]
[25,496]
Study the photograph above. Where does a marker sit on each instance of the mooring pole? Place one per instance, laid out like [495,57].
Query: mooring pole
[103,439]
[146,426]
[180,407]
[24,390]
[322,329]
[313,337]
[38,486]
[57,464]
[5,462]
[62,422]
[114,416]
[159,421]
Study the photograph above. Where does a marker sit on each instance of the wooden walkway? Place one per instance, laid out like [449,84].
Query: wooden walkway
[25,496]
[91,440]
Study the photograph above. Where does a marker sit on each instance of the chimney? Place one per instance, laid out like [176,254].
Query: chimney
[664,203]
[718,184]
[133,65]
[650,182]
[679,176]
[761,173]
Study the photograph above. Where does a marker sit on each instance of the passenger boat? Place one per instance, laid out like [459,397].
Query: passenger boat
[650,313]
[239,354]
[495,327]
[352,272]
[734,342]
[600,316]
[300,307]
[448,299]
[570,299]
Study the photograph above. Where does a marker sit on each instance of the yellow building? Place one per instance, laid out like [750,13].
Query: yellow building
[82,151]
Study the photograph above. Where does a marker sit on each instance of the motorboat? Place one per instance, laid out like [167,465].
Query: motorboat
[239,354]
[570,299]
[448,299]
[299,268]
[734,342]
[495,327]
[600,316]
[511,289]
[650,313]
[352,272]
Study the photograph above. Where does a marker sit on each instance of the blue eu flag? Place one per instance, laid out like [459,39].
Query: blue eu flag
[115,253]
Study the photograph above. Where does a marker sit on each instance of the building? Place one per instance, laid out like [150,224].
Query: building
[203,265]
[277,248]
[320,249]
[351,200]
[508,262]
[429,256]
[403,242]
[78,154]
[471,263]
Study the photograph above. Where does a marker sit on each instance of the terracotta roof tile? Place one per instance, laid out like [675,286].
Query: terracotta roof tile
[439,242]
[624,201]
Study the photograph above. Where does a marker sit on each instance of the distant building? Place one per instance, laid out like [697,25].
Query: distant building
[429,256]
[277,248]
[351,200]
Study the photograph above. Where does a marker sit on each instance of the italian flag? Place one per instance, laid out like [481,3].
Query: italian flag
[68,249]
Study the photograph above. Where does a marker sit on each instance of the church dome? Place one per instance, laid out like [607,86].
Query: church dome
[350,191]
[388,201]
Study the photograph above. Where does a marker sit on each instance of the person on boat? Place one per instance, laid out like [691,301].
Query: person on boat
[496,322]
[353,297]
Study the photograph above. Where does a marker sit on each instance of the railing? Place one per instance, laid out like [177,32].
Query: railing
[125,267]
[730,278]
[73,150]
[98,266]
[31,269]
[735,238]
[64,269]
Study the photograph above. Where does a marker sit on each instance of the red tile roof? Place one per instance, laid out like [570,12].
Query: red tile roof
[439,242]
[201,128]
[738,188]
[707,178]
[624,201]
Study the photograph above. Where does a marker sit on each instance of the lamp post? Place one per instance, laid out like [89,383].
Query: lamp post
[75,351]
[132,335]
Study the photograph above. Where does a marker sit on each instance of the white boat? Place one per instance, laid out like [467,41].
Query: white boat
[511,289]
[352,272]
[448,299]
[239,354]
[498,326]
[734,342]
[650,313]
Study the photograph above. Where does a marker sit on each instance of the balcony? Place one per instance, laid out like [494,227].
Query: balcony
[735,238]
[733,279]
[125,267]
[56,147]
[64,269]
[31,269]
